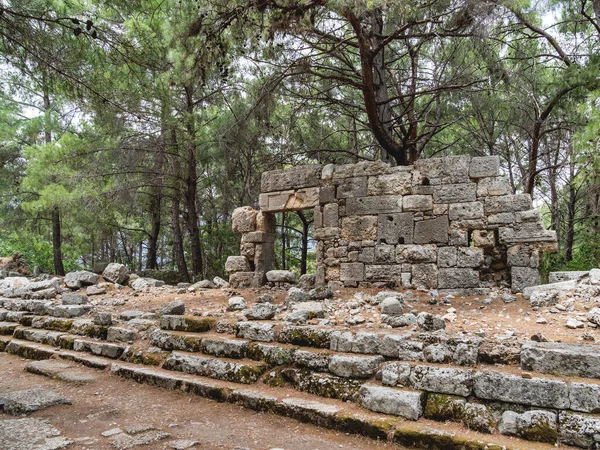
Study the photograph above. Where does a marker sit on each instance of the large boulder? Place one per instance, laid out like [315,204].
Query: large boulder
[281,276]
[176,307]
[116,273]
[76,280]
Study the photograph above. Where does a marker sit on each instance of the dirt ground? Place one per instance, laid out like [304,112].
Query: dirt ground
[465,314]
[111,402]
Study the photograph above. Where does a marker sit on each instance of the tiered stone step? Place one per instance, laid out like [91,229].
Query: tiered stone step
[342,416]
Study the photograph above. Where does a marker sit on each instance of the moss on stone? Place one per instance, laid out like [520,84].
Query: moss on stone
[3,344]
[444,407]
[65,341]
[198,324]
[26,321]
[271,355]
[304,336]
[327,386]
[540,432]
[245,374]
[374,428]
[191,343]
[58,324]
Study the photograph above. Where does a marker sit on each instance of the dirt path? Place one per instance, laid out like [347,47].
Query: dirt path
[111,402]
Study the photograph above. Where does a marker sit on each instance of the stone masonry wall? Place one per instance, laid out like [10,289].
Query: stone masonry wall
[448,223]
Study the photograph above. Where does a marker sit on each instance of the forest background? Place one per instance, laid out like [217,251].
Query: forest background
[130,130]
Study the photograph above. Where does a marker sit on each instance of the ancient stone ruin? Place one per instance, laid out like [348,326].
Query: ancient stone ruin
[450,223]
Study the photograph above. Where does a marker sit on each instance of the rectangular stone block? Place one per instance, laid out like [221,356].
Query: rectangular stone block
[443,380]
[323,234]
[432,231]
[557,358]
[318,217]
[373,205]
[352,187]
[448,170]
[385,254]
[525,232]
[362,169]
[538,392]
[359,228]
[508,203]
[417,203]
[469,257]
[375,272]
[424,276]
[484,166]
[397,402]
[484,238]
[396,183]
[291,179]
[458,237]
[493,187]
[330,215]
[327,194]
[367,255]
[461,211]
[446,257]
[523,277]
[352,272]
[455,193]
[257,237]
[395,228]
[457,278]
[289,200]
[501,218]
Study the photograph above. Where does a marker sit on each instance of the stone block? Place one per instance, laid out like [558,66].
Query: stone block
[237,264]
[385,254]
[493,187]
[257,237]
[362,169]
[387,400]
[416,254]
[470,210]
[359,228]
[289,200]
[557,277]
[484,238]
[580,430]
[373,205]
[578,360]
[265,222]
[432,231]
[395,228]
[525,232]
[469,257]
[367,255]
[501,219]
[352,366]
[330,215]
[424,276]
[395,183]
[324,234]
[457,278]
[455,193]
[243,220]
[447,170]
[523,277]
[281,276]
[374,272]
[540,392]
[327,194]
[241,280]
[318,217]
[352,272]
[522,255]
[459,238]
[291,178]
[446,257]
[484,166]
[508,203]
[417,203]
[443,380]
[352,187]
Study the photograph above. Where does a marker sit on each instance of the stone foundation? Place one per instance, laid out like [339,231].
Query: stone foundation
[447,223]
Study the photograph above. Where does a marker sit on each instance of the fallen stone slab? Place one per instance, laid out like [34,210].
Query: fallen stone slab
[563,286]
[182,444]
[30,434]
[23,402]
[124,441]
[581,360]
[59,370]
[558,277]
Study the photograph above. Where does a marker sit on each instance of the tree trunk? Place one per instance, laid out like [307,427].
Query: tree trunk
[176,215]
[59,269]
[283,258]
[156,203]
[192,186]
[304,256]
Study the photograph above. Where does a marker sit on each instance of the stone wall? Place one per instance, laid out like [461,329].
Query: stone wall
[448,223]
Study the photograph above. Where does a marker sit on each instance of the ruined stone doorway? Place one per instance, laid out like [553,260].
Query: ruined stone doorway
[295,246]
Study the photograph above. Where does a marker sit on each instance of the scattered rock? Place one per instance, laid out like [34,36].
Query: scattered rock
[76,280]
[321,293]
[95,290]
[174,308]
[236,304]
[295,295]
[543,299]
[29,433]
[507,298]
[182,444]
[116,273]
[391,306]
[307,281]
[204,284]
[74,299]
[220,282]
[404,320]
[103,318]
[261,311]
[430,322]
[574,324]
[264,298]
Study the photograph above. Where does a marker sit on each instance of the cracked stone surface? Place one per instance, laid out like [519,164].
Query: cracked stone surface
[30,434]
[22,402]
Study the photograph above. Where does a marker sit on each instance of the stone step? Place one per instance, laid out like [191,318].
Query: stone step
[576,428]
[7,328]
[196,324]
[579,360]
[237,371]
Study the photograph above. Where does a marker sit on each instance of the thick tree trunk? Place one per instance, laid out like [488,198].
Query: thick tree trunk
[570,234]
[283,256]
[156,203]
[192,186]
[59,269]
[179,254]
